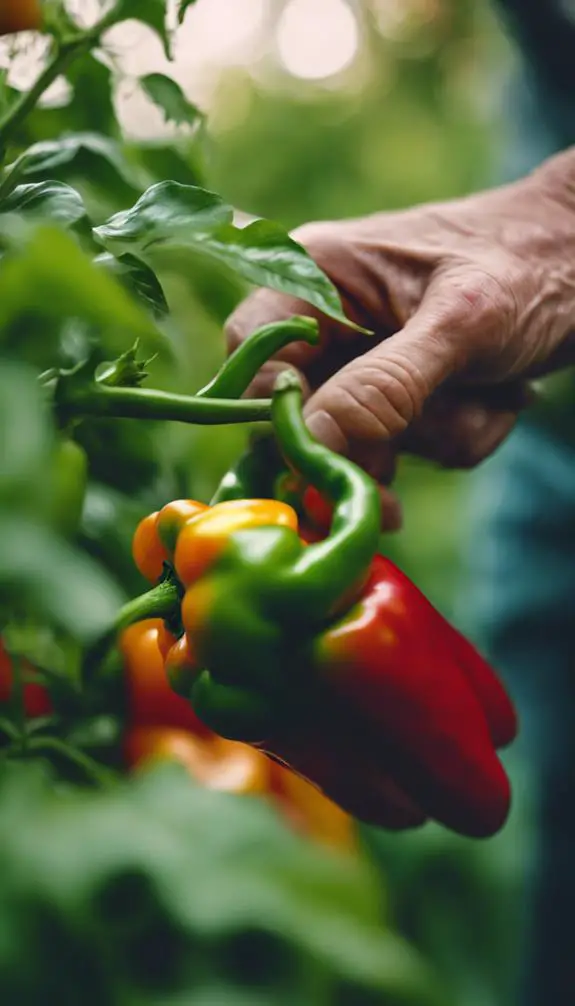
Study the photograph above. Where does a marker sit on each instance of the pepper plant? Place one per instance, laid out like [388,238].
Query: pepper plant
[99,429]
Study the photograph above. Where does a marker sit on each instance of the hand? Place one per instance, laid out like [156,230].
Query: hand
[467,300]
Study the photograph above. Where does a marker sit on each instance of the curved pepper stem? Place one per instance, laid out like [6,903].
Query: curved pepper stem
[242,366]
[326,572]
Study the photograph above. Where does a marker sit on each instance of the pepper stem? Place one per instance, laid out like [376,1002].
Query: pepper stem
[327,572]
[162,601]
[242,366]
[143,403]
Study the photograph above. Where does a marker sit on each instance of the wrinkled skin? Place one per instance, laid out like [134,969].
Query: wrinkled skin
[468,300]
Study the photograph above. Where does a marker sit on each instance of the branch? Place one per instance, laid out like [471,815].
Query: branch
[67,52]
[144,403]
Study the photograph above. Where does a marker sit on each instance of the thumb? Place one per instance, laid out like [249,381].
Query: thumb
[379,394]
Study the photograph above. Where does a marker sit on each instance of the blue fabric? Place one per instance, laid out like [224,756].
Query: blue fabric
[520,607]
[521,590]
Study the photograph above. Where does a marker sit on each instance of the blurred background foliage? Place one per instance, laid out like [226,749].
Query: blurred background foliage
[315,109]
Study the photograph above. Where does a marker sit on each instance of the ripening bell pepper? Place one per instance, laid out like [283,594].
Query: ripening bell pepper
[150,700]
[329,659]
[156,536]
[308,644]
[36,698]
[497,706]
[438,709]
[162,726]
[215,763]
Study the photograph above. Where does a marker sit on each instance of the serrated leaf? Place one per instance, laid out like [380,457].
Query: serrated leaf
[151,13]
[173,216]
[139,278]
[48,274]
[48,155]
[168,96]
[183,9]
[60,202]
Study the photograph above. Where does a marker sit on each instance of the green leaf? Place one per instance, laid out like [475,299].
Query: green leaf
[183,8]
[166,211]
[90,101]
[170,99]
[56,20]
[46,576]
[150,12]
[60,202]
[264,254]
[50,275]
[48,155]
[180,217]
[7,93]
[26,435]
[164,886]
[138,278]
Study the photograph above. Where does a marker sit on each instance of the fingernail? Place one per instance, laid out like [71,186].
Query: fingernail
[324,428]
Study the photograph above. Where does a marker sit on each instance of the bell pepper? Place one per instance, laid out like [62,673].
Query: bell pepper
[215,763]
[439,734]
[329,659]
[156,535]
[162,726]
[36,698]
[308,644]
[496,703]
[150,700]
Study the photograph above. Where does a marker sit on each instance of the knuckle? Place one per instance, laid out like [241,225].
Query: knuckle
[482,301]
[489,295]
[380,402]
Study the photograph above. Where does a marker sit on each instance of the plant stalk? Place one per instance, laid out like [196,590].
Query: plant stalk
[67,52]
[144,403]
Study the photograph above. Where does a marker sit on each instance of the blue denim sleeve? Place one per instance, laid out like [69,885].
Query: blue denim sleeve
[539,102]
[545,32]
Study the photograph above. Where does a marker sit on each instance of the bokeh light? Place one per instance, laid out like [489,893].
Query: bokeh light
[317,38]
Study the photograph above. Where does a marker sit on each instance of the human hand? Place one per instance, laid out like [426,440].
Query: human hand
[468,300]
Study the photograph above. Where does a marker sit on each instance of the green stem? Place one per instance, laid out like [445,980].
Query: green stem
[11,179]
[159,602]
[144,403]
[18,694]
[67,52]
[326,571]
[241,367]
[162,601]
[97,773]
